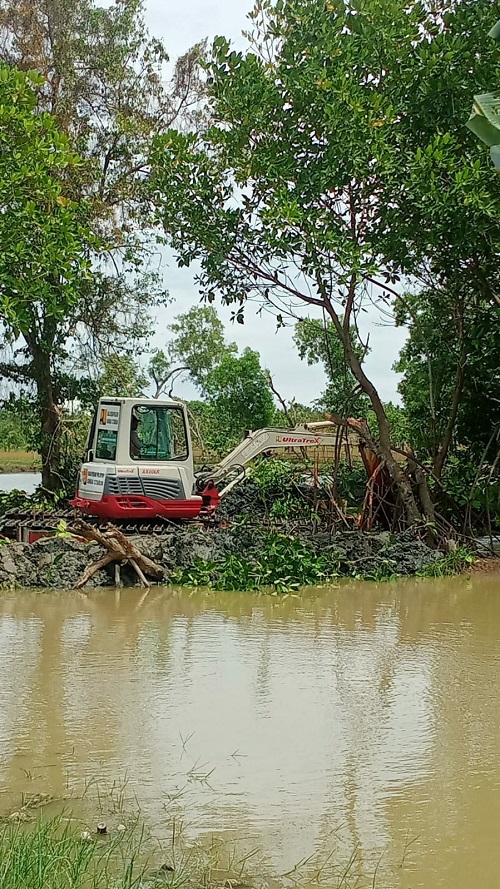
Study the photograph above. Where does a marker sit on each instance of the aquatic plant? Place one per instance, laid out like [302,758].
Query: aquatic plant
[283,563]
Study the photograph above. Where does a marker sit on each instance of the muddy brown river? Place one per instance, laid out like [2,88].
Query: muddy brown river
[357,720]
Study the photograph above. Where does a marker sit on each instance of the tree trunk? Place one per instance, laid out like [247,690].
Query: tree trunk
[444,448]
[402,484]
[50,446]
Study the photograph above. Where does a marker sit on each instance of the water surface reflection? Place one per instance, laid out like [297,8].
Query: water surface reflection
[366,715]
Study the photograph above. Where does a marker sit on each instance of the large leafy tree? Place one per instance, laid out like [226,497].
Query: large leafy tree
[451,381]
[484,120]
[46,241]
[236,389]
[104,84]
[441,223]
[330,170]
[278,199]
[122,376]
[442,228]
[43,232]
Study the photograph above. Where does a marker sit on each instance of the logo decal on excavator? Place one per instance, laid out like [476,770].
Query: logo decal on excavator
[289,439]
[104,417]
[85,476]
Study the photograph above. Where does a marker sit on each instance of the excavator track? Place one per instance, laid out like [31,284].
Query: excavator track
[27,526]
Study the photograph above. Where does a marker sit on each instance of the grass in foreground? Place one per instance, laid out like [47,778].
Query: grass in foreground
[53,855]
[57,854]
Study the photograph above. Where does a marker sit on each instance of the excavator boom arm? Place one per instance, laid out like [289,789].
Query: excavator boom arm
[262,440]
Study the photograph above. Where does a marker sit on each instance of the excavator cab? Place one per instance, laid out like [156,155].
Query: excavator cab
[139,462]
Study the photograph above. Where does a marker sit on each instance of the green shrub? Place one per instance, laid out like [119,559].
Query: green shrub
[12,437]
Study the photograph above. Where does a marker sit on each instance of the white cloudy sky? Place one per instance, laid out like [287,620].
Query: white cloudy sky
[181,25]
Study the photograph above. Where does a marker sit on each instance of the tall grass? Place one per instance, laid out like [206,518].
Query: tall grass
[455,562]
[53,855]
[56,854]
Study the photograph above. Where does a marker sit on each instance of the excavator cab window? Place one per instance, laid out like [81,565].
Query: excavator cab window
[106,444]
[107,420]
[158,433]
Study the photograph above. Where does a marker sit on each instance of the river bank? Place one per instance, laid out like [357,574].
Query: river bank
[269,538]
[18,462]
[234,558]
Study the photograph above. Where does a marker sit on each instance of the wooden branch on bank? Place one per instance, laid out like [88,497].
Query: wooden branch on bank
[120,550]
[92,569]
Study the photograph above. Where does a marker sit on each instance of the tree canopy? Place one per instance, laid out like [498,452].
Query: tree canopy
[451,380]
[336,164]
[46,239]
[238,389]
[195,346]
[484,120]
[102,81]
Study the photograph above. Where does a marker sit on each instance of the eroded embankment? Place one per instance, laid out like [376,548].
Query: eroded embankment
[243,556]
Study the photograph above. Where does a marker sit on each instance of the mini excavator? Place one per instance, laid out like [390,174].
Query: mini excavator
[139,462]
[138,472]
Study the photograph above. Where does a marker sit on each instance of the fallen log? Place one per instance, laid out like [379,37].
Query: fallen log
[120,550]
